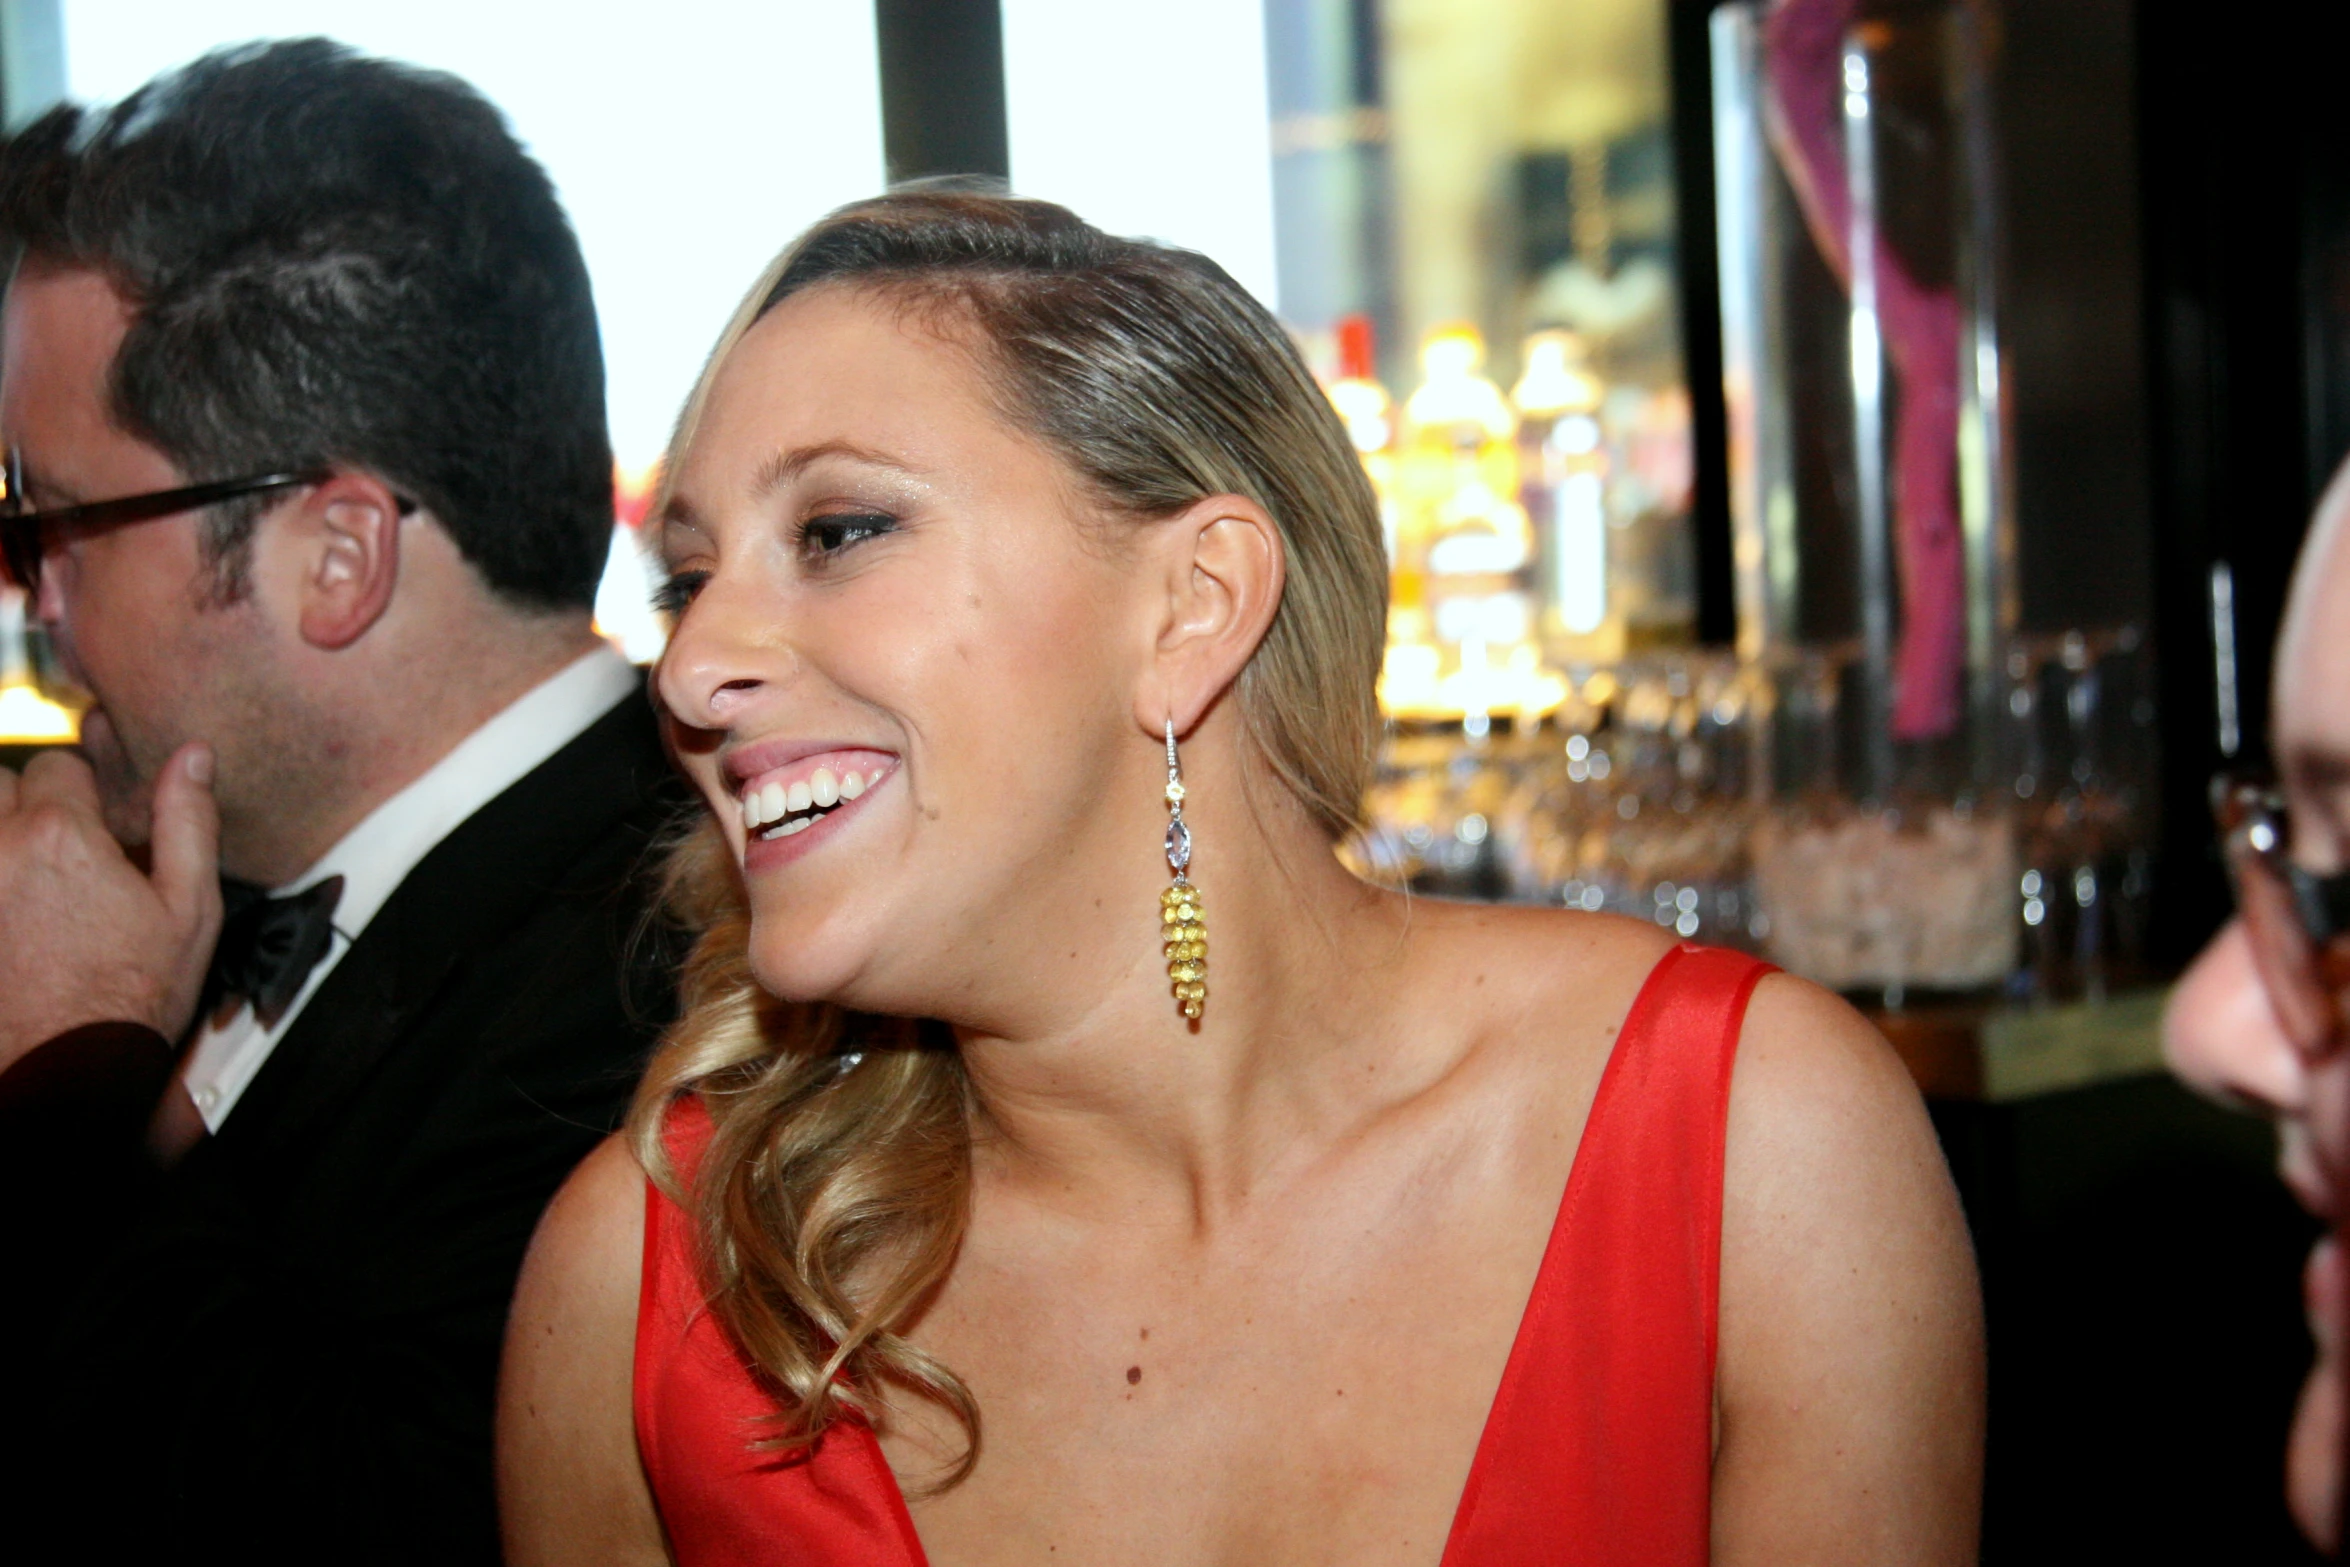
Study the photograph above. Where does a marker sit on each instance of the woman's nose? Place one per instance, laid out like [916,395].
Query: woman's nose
[2222,1036]
[725,650]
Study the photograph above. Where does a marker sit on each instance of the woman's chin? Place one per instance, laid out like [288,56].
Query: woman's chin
[803,976]
[835,973]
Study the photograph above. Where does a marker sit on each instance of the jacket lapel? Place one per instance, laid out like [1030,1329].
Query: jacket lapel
[476,885]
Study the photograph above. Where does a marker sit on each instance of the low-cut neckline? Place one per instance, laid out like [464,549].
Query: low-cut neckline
[1578,1177]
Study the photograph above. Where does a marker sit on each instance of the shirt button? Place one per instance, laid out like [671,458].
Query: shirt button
[206,1098]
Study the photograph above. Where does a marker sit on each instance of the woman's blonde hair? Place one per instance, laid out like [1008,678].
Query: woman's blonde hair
[834,1191]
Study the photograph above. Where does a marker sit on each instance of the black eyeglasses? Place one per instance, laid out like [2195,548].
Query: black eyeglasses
[23,534]
[2298,921]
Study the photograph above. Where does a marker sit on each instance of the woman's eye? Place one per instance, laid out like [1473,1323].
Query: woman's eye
[673,595]
[837,531]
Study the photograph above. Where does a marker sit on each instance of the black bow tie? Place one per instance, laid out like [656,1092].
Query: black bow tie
[268,946]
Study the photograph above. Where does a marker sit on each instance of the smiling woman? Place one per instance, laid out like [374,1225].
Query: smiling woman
[975,516]
[927,276]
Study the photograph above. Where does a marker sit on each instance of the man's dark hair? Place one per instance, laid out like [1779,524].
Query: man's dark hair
[335,259]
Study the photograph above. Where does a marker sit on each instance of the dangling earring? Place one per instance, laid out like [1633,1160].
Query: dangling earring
[1182,927]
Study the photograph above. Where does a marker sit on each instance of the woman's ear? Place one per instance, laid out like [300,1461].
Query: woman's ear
[1222,565]
[347,533]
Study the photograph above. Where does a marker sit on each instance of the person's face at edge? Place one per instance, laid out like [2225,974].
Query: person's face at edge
[130,609]
[2221,1033]
[888,579]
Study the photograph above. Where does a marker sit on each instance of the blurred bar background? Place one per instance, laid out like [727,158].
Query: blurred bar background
[1840,462]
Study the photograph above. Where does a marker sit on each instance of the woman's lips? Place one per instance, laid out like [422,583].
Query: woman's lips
[788,800]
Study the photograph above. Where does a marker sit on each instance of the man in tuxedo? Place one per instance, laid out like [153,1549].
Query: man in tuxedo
[308,479]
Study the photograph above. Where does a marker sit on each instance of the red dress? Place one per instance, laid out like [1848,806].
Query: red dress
[1599,1446]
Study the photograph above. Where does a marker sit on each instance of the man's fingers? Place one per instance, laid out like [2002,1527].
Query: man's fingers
[8,790]
[185,847]
[59,778]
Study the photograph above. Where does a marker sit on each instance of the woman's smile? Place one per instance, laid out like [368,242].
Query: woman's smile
[805,797]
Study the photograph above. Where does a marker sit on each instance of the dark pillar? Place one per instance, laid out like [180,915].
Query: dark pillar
[942,87]
[1691,66]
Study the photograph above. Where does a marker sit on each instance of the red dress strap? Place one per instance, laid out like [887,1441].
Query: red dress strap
[1599,1447]
[699,1403]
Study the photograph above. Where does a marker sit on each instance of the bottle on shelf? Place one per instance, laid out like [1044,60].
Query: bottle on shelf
[1461,529]
[1563,456]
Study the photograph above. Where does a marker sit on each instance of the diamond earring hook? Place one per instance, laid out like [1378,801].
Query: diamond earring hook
[1178,831]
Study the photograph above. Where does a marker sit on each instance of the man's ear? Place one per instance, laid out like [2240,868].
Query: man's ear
[1222,565]
[347,535]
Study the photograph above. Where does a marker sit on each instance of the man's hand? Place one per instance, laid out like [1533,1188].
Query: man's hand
[85,937]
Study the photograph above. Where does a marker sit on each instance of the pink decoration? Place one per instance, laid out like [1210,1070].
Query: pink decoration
[1803,46]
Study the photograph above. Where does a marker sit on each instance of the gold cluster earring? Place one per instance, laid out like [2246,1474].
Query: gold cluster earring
[1182,927]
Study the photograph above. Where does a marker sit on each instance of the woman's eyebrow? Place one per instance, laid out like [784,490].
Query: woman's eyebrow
[676,517]
[780,469]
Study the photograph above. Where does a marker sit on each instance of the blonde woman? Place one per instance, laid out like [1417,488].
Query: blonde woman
[1062,1157]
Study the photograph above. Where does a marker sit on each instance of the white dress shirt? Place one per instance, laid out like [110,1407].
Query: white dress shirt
[377,855]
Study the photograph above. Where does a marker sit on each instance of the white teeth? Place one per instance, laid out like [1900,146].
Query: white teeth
[778,810]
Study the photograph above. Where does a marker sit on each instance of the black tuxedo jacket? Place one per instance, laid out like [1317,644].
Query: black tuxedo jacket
[285,1349]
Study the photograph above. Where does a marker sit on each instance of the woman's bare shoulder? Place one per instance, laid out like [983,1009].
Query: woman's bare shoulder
[592,1236]
[1803,1052]
[1830,1150]
[570,1487]
[1534,999]
[1557,985]
[1522,964]
[1540,951]
[1850,1373]
[1818,1096]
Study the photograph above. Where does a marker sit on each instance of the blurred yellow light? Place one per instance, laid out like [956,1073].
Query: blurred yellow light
[1555,381]
[29,718]
[1411,685]
[1408,678]
[1453,393]
[1363,406]
[1452,351]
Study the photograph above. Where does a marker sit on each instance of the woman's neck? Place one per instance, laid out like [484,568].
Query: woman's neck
[1122,1104]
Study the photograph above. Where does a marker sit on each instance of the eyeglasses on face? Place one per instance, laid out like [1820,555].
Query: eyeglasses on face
[2298,921]
[24,534]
